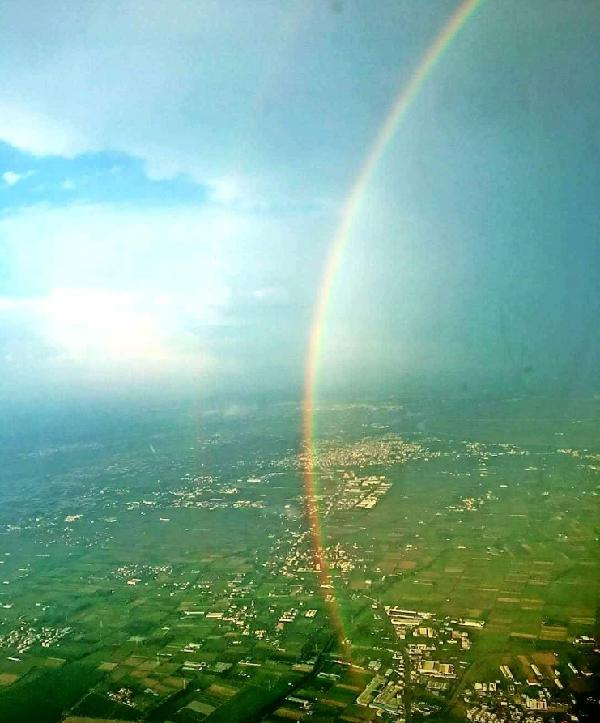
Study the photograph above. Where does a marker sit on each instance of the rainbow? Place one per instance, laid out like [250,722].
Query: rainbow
[400,107]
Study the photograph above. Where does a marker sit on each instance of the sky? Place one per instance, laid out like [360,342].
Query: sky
[172,175]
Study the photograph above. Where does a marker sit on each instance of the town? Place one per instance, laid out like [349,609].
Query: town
[184,584]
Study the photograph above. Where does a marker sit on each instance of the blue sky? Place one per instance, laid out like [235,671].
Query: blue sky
[171,175]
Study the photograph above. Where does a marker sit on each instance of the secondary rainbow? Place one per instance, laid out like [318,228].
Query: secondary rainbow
[399,108]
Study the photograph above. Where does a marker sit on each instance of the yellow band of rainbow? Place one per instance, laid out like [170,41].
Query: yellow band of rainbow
[351,208]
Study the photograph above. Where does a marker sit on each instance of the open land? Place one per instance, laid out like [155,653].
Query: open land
[158,566]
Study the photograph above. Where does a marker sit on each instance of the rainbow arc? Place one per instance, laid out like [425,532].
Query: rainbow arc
[400,107]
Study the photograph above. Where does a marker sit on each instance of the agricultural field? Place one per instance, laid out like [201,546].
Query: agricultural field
[159,566]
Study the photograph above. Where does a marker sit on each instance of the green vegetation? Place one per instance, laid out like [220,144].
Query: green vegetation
[163,571]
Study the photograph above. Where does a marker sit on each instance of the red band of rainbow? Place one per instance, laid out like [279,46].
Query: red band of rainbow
[351,208]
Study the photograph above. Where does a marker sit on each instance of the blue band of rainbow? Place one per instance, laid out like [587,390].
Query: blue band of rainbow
[400,107]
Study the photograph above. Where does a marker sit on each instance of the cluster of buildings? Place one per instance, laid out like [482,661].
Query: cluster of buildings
[123,695]
[385,693]
[472,504]
[387,450]
[24,636]
[524,693]
[353,491]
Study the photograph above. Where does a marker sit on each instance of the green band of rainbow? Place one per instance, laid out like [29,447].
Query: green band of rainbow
[401,105]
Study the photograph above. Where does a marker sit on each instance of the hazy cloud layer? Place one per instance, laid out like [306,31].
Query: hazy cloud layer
[172,174]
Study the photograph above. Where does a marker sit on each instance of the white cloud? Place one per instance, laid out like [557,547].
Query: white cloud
[202,89]
[194,252]
[73,85]
[7,304]
[39,132]
[11,178]
[93,245]
[225,190]
[162,289]
[271,295]
[103,324]
[98,331]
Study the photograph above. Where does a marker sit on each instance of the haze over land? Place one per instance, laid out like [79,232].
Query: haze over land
[158,566]
[299,361]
